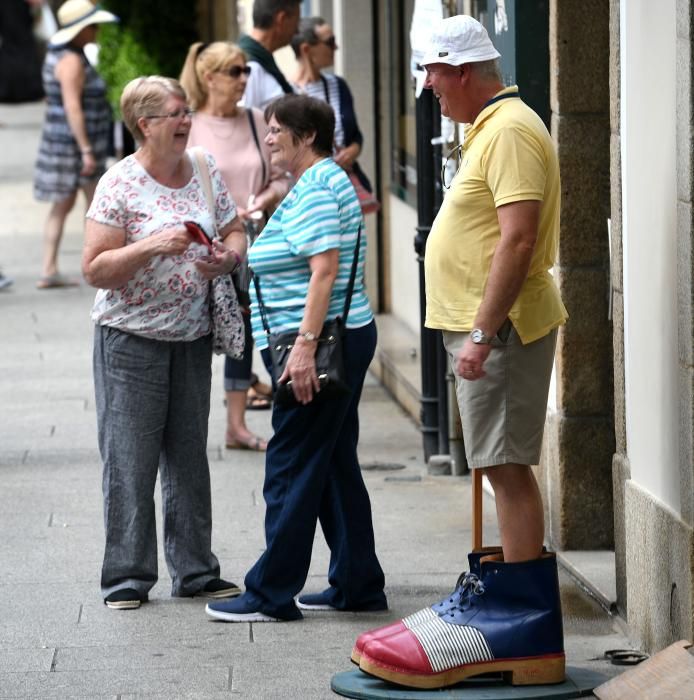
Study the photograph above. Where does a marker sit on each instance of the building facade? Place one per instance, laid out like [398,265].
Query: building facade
[618,464]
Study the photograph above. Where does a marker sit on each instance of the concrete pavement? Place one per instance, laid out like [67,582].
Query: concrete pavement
[57,639]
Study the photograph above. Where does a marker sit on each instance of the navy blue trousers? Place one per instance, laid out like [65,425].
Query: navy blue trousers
[312,473]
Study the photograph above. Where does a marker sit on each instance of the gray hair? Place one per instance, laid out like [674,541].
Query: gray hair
[145,95]
[488,70]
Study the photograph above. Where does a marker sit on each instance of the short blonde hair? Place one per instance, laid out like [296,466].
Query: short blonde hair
[145,96]
[204,58]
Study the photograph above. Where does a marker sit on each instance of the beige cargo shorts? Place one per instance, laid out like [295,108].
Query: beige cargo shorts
[503,414]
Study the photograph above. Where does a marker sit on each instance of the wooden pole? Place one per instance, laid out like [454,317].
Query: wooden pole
[476,509]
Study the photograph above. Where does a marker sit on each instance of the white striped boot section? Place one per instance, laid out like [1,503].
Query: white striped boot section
[418,617]
[447,645]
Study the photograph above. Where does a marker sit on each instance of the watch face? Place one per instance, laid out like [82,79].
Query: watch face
[476,336]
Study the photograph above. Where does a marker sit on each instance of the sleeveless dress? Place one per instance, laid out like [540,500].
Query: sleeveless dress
[57,173]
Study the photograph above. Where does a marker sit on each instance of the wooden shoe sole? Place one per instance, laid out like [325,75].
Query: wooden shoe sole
[537,670]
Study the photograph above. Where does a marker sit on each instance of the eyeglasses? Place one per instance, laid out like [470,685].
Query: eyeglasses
[456,153]
[178,114]
[438,70]
[329,42]
[236,71]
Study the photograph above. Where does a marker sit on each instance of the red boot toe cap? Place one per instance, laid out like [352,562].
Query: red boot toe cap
[400,652]
[380,632]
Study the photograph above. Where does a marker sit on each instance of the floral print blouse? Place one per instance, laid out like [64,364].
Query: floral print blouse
[167,299]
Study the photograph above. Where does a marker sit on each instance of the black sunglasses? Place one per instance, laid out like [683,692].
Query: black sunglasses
[329,42]
[235,71]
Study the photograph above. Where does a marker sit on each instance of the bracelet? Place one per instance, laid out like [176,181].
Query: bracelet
[84,151]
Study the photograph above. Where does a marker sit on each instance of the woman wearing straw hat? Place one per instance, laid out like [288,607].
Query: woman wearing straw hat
[74,142]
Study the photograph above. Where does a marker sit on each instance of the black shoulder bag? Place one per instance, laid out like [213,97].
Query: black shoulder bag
[330,366]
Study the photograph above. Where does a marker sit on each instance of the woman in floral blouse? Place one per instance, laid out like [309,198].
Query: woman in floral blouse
[153,348]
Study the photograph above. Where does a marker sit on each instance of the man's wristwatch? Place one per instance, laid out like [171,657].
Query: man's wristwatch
[478,337]
[308,336]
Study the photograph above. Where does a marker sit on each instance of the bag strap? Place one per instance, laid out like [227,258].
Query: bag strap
[258,53]
[324,80]
[251,121]
[199,157]
[352,278]
[348,295]
[261,305]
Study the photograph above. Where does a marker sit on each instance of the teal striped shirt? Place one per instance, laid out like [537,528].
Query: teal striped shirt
[320,213]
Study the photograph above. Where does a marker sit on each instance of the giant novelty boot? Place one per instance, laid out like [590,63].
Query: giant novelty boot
[461,589]
[509,622]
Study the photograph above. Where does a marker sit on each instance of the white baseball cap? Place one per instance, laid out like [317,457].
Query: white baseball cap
[457,40]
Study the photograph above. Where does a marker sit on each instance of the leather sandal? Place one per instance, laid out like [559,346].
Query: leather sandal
[256,402]
[262,389]
[254,443]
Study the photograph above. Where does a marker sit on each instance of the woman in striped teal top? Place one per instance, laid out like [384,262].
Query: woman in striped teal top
[302,260]
[320,214]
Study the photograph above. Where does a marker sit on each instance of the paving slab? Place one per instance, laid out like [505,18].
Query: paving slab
[88,684]
[31,660]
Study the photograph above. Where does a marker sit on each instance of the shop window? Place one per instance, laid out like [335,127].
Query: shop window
[402,108]
[520,31]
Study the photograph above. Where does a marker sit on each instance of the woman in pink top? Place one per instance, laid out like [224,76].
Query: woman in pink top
[214,77]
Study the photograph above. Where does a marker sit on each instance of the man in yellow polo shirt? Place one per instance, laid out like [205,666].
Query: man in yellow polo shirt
[490,290]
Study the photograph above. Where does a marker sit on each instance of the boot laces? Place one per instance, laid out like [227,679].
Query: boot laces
[461,588]
[475,584]
[472,585]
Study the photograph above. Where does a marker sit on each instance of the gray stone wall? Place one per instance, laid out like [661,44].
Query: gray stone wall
[576,466]
[653,544]
[620,463]
[659,571]
[683,613]
[685,230]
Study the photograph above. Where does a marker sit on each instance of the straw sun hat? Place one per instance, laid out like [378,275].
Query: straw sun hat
[74,16]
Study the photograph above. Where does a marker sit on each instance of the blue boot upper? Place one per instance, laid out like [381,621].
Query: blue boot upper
[516,606]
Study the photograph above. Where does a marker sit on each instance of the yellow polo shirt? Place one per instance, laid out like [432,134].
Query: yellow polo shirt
[508,156]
